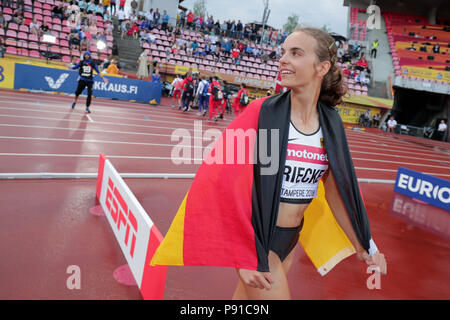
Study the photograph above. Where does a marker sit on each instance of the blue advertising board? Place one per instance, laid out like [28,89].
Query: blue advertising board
[423,187]
[60,80]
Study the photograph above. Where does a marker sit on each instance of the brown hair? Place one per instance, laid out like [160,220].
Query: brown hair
[333,86]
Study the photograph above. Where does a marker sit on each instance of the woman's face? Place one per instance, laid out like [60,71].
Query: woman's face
[299,64]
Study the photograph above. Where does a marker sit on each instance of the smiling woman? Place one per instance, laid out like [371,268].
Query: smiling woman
[236,215]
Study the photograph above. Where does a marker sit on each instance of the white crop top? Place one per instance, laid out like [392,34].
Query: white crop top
[306,163]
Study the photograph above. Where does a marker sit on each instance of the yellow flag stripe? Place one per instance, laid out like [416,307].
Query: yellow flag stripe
[170,252]
[323,240]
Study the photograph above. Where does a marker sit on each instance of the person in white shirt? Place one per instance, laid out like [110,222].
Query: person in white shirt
[391,124]
[442,130]
[201,96]
[120,16]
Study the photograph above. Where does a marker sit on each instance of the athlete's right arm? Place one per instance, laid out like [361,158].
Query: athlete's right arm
[76,66]
[255,279]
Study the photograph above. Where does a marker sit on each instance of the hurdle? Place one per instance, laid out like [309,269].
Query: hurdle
[135,232]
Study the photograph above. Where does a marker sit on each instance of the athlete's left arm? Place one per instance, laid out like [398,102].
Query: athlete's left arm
[337,206]
[100,74]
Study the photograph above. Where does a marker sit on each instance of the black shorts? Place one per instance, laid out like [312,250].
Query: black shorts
[285,239]
[84,84]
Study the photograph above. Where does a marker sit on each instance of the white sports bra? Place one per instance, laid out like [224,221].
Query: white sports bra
[306,163]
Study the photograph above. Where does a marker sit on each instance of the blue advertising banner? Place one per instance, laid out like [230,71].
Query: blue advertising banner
[60,80]
[423,187]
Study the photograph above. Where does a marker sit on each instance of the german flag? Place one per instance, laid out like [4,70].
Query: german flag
[229,214]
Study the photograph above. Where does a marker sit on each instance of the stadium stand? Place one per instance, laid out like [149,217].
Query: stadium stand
[415,42]
[20,40]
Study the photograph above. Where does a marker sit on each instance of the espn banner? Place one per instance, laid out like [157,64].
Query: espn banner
[135,232]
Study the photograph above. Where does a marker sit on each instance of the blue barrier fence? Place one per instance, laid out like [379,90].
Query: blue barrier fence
[65,81]
[423,187]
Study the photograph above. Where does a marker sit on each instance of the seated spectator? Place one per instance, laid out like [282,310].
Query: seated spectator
[143,37]
[235,54]
[112,67]
[44,28]
[102,37]
[18,17]
[82,5]
[74,40]
[340,51]
[34,27]
[189,50]
[92,19]
[87,38]
[362,63]
[145,25]
[2,21]
[346,72]
[133,31]
[358,77]
[93,30]
[107,16]
[175,49]
[91,7]
[100,10]
[109,28]
[151,38]
[411,48]
[391,124]
[365,78]
[133,19]
[84,17]
[194,44]
[73,9]
[436,48]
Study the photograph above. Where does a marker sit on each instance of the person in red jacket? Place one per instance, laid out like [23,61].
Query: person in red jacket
[214,103]
[188,91]
[237,106]
[190,19]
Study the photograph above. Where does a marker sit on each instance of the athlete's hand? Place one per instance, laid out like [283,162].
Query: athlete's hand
[256,279]
[105,79]
[376,260]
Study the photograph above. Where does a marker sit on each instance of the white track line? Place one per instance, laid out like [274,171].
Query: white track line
[358,146]
[389,145]
[108,123]
[96,156]
[394,141]
[122,118]
[170,113]
[399,162]
[166,135]
[50,175]
[90,119]
[162,145]
[396,156]
[155,113]
[353,142]
[103,141]
[188,160]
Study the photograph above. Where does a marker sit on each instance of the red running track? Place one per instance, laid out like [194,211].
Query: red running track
[45,225]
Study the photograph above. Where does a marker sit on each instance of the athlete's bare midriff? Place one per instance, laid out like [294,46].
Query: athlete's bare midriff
[290,215]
